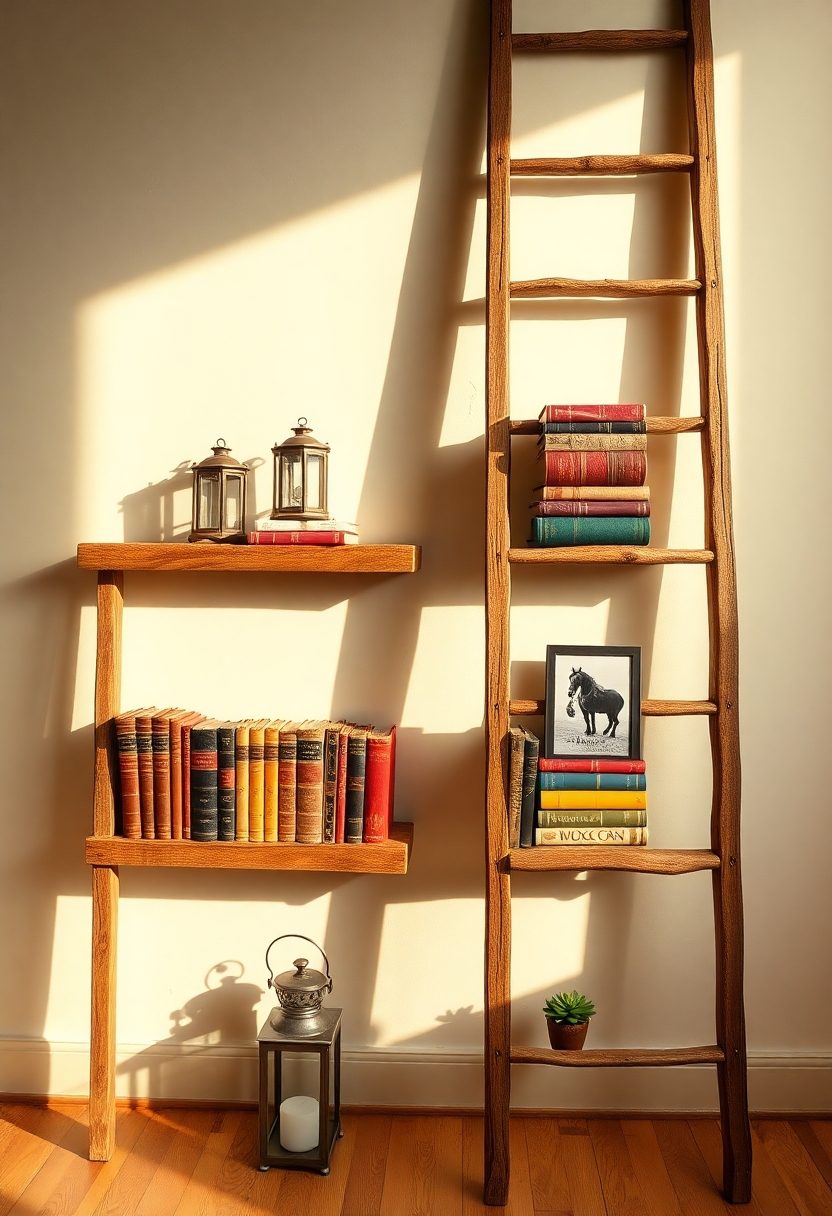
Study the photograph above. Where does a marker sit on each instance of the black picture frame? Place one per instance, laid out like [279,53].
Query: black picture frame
[565,735]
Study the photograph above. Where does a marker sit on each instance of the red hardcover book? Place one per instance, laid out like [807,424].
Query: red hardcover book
[161,773]
[593,413]
[302,538]
[378,785]
[574,506]
[186,775]
[128,763]
[341,785]
[144,751]
[178,771]
[591,766]
[595,468]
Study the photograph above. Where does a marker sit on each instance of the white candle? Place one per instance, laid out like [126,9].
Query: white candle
[299,1124]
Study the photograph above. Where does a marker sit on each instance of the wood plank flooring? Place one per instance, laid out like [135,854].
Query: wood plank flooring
[188,1162]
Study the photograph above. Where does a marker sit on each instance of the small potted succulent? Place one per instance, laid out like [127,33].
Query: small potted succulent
[567,1020]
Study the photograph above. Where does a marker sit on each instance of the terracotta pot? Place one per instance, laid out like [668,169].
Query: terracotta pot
[564,1037]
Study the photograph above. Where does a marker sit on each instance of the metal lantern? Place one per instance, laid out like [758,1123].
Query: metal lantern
[299,1132]
[219,503]
[300,476]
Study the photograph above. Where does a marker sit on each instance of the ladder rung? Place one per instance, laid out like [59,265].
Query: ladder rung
[655,426]
[627,1057]
[637,858]
[601,166]
[649,709]
[601,40]
[615,289]
[637,555]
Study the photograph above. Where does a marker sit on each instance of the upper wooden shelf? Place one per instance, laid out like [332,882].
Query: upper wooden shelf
[308,559]
[390,857]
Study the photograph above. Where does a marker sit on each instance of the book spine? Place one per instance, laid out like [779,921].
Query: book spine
[301,538]
[256,784]
[124,727]
[531,752]
[204,783]
[186,780]
[592,443]
[595,468]
[341,788]
[241,738]
[144,759]
[622,506]
[330,782]
[286,785]
[561,836]
[310,785]
[356,769]
[226,777]
[593,781]
[161,777]
[604,800]
[591,766]
[618,412]
[377,775]
[176,778]
[618,530]
[591,819]
[594,428]
[517,745]
[593,493]
[271,762]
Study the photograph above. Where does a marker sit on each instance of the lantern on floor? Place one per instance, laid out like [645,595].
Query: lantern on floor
[300,476]
[219,503]
[299,1132]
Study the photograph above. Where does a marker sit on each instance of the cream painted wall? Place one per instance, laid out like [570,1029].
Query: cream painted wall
[217,217]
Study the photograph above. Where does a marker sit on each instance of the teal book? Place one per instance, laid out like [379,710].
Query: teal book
[593,781]
[551,531]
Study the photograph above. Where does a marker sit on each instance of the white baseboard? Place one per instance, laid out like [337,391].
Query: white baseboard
[372,1076]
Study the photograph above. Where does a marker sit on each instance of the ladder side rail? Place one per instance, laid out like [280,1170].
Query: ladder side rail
[722,613]
[497,605]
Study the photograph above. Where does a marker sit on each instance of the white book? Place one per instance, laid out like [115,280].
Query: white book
[305,525]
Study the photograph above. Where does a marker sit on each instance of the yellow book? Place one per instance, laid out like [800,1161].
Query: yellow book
[241,740]
[256,780]
[271,745]
[605,800]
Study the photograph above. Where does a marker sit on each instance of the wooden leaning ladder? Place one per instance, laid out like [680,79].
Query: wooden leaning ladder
[723,858]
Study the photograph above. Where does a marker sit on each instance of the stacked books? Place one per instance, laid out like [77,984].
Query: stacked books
[592,802]
[594,470]
[303,532]
[187,777]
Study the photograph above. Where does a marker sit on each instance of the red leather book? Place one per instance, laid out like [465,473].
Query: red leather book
[144,754]
[179,772]
[161,773]
[593,413]
[341,784]
[378,785]
[591,766]
[302,538]
[622,506]
[128,764]
[595,468]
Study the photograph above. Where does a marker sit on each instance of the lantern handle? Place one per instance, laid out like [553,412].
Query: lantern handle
[300,937]
[303,422]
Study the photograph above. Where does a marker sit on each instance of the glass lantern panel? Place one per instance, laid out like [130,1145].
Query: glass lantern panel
[208,502]
[314,482]
[233,503]
[291,481]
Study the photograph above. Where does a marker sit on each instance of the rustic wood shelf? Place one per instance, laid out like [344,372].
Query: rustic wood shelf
[659,424]
[594,41]
[649,709]
[391,857]
[625,555]
[548,858]
[165,557]
[619,1057]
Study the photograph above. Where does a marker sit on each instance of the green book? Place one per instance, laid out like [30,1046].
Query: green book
[593,781]
[591,819]
[551,531]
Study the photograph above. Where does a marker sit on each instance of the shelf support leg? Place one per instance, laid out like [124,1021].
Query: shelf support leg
[105,880]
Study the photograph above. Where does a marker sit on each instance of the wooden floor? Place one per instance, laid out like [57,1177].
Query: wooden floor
[202,1163]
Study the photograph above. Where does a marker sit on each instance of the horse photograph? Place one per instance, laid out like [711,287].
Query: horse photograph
[593,702]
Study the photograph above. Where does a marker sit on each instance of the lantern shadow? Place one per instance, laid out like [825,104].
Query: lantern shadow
[161,511]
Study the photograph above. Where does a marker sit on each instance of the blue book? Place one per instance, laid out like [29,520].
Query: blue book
[593,781]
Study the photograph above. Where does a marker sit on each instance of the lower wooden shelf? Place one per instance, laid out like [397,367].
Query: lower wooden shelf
[627,555]
[391,857]
[612,857]
[626,1057]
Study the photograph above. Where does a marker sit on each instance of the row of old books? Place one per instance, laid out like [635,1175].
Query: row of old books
[187,777]
[303,532]
[594,473]
[573,802]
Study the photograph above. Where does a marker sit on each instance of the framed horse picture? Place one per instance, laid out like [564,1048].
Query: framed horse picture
[593,703]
